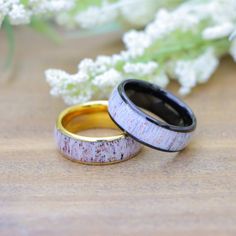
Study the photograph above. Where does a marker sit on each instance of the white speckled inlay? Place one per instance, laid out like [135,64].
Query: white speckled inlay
[145,130]
[99,152]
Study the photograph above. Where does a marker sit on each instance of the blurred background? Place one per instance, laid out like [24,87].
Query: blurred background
[162,41]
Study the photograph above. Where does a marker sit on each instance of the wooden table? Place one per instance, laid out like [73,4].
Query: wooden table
[41,193]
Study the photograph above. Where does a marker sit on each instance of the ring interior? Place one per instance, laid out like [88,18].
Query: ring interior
[159,103]
[88,117]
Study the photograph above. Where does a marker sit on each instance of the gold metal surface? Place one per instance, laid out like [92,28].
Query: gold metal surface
[88,115]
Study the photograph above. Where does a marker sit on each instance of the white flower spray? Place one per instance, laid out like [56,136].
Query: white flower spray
[191,72]
[108,11]
[21,13]
[83,14]
[184,44]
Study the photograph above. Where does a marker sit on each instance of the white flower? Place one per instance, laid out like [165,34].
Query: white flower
[205,65]
[184,91]
[127,55]
[73,88]
[141,15]
[186,74]
[140,69]
[94,68]
[94,16]
[116,58]
[109,79]
[135,12]
[136,42]
[5,6]
[184,18]
[50,6]
[21,14]
[103,60]
[80,77]
[102,64]
[87,65]
[55,76]
[166,22]
[218,31]
[223,10]
[199,70]
[160,79]
[18,15]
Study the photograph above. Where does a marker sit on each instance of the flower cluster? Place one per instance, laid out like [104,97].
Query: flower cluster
[121,10]
[191,72]
[184,44]
[85,14]
[19,13]
[15,11]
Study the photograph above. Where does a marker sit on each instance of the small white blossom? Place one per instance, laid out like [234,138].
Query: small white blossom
[18,15]
[199,70]
[6,5]
[55,76]
[141,15]
[160,79]
[87,65]
[109,79]
[127,55]
[116,58]
[81,76]
[184,91]
[94,16]
[73,88]
[218,31]
[186,74]
[186,17]
[166,22]
[109,11]
[50,6]
[136,42]
[21,14]
[205,65]
[140,69]
[104,60]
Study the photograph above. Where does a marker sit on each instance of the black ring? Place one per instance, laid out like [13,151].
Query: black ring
[171,135]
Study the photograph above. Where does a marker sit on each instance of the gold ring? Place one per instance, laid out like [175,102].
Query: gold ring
[92,150]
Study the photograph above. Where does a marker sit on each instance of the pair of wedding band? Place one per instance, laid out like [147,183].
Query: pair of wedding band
[171,133]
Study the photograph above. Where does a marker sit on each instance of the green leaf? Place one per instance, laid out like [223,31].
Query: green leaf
[11,42]
[45,28]
[24,2]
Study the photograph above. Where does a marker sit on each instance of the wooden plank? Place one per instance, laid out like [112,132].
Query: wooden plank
[41,193]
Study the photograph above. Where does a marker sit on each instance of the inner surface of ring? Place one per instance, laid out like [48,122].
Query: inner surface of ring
[88,117]
[159,104]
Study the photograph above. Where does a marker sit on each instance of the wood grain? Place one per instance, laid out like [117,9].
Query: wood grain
[41,193]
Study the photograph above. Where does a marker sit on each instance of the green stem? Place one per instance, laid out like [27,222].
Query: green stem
[11,42]
[184,49]
[189,49]
[45,28]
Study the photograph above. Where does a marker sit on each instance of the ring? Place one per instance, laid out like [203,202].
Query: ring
[92,150]
[170,132]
